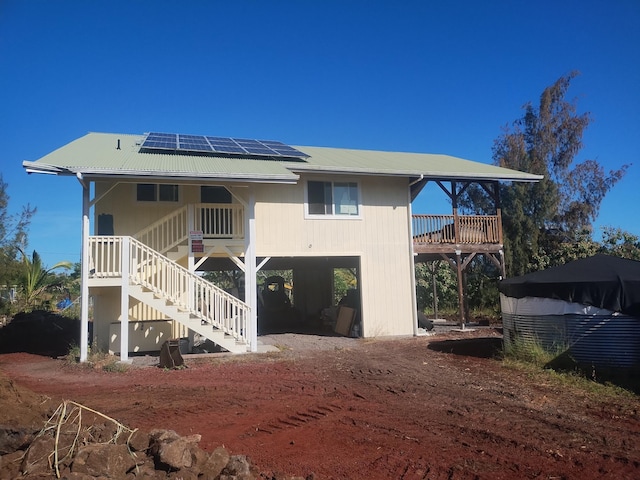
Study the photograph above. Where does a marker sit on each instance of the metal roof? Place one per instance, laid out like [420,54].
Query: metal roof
[371,162]
[119,155]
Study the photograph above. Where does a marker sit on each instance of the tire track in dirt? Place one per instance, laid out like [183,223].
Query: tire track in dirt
[299,419]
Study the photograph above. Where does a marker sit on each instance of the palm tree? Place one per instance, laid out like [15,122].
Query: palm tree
[35,278]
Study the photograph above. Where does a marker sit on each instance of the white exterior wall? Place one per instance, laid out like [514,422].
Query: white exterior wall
[380,237]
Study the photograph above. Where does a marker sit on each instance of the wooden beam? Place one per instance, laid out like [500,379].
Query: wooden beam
[461,292]
[467,260]
[445,190]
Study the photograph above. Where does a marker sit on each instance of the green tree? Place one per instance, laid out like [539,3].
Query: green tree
[36,279]
[344,279]
[13,236]
[436,276]
[620,243]
[539,217]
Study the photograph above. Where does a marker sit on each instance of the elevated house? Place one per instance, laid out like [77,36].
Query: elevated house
[159,209]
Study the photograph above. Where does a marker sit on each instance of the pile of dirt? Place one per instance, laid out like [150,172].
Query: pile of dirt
[41,333]
[78,443]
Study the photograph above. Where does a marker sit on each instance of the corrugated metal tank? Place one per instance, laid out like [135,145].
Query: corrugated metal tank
[603,340]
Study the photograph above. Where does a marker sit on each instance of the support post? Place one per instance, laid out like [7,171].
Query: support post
[414,296]
[190,257]
[190,228]
[251,290]
[84,273]
[435,290]
[124,300]
[459,268]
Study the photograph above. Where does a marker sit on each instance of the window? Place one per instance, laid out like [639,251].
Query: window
[209,194]
[151,192]
[333,198]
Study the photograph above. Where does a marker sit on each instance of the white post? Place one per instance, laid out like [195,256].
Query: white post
[191,262]
[84,288]
[190,228]
[250,287]
[414,296]
[124,300]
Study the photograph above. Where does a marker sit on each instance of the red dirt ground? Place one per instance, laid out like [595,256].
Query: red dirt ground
[435,407]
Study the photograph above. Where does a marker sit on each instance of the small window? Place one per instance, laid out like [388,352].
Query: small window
[333,198]
[211,194]
[168,193]
[151,192]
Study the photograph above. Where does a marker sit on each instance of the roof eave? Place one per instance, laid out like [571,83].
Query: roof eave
[524,177]
[35,167]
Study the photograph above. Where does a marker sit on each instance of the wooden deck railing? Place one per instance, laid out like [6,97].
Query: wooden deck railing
[460,229]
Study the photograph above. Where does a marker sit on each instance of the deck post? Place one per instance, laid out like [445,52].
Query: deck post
[461,302]
[414,296]
[251,290]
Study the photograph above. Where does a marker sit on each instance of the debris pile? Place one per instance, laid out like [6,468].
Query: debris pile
[78,443]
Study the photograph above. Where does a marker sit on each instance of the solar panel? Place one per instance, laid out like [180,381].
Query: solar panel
[161,141]
[194,143]
[219,145]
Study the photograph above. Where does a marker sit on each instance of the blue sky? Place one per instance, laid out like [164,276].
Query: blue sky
[419,76]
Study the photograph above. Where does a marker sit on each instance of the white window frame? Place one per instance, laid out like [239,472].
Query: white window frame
[156,195]
[333,215]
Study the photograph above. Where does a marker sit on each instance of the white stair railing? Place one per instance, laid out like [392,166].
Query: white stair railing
[219,220]
[167,232]
[213,220]
[172,282]
[105,256]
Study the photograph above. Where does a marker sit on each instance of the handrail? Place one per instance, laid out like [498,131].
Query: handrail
[184,289]
[167,232]
[219,220]
[105,256]
[435,229]
[214,220]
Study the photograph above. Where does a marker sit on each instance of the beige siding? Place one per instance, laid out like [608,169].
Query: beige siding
[142,311]
[106,308]
[131,216]
[381,239]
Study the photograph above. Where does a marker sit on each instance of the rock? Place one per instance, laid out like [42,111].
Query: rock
[110,461]
[10,464]
[238,468]
[14,438]
[172,451]
[104,432]
[183,475]
[215,463]
[139,441]
[36,458]
[146,470]
[81,476]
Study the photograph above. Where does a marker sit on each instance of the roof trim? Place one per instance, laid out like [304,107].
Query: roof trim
[35,167]
[517,177]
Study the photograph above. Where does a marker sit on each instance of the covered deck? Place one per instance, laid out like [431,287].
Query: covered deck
[458,239]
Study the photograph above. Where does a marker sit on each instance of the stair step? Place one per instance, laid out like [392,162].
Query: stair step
[190,319]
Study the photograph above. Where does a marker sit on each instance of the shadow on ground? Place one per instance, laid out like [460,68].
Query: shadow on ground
[470,347]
